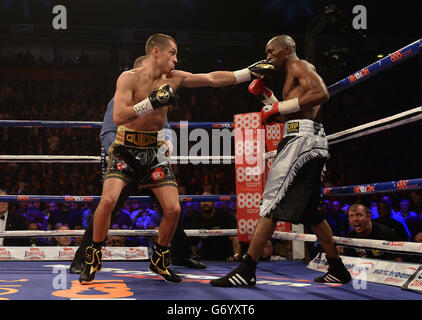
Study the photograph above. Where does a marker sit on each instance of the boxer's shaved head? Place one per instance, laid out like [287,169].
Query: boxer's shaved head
[283,41]
[158,40]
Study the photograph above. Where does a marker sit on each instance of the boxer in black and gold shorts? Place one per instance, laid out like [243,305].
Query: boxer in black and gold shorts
[140,156]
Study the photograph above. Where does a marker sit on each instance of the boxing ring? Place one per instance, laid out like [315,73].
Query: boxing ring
[131,280]
[276,280]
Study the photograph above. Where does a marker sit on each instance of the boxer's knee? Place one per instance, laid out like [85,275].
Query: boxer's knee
[108,202]
[172,212]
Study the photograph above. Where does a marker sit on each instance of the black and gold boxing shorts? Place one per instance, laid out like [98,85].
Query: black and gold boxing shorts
[140,156]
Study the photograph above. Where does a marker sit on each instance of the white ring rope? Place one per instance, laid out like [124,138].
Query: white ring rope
[409,247]
[399,119]
[364,129]
[413,247]
[97,159]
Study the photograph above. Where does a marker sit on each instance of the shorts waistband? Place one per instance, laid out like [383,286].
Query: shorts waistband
[303,127]
[139,139]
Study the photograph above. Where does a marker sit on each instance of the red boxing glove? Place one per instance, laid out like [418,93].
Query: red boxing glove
[284,107]
[257,87]
[268,110]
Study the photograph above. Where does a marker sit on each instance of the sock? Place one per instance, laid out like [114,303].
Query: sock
[248,262]
[335,263]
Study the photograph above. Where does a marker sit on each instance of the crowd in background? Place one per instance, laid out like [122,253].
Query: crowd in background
[351,163]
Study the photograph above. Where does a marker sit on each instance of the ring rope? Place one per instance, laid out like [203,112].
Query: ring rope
[399,119]
[98,124]
[376,67]
[122,232]
[88,199]
[375,126]
[411,247]
[97,159]
[378,187]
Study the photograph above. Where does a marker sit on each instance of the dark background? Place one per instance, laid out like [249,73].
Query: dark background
[104,37]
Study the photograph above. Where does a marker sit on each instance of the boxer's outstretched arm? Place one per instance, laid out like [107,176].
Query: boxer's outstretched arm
[212,79]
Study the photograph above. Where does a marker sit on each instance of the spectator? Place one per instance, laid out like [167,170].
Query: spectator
[10,221]
[218,248]
[63,241]
[53,141]
[126,208]
[37,241]
[405,211]
[135,211]
[325,207]
[33,214]
[416,196]
[418,237]
[363,227]
[115,241]
[130,241]
[337,219]
[77,239]
[147,219]
[385,212]
[68,214]
[86,214]
[22,207]
[123,219]
[374,210]
[188,212]
[415,227]
[396,215]
[50,211]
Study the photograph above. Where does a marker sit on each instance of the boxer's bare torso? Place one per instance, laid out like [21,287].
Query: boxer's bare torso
[301,80]
[143,86]
[293,89]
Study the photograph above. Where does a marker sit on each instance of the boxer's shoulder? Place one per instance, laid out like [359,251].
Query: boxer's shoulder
[175,78]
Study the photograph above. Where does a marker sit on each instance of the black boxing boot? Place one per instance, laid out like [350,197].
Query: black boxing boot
[337,273]
[92,263]
[78,262]
[242,276]
[160,264]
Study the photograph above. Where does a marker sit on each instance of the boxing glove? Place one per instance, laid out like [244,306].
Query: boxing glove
[262,68]
[257,70]
[284,107]
[258,88]
[159,97]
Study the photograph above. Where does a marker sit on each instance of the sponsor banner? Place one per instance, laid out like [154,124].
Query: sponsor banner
[371,270]
[67,253]
[249,142]
[283,226]
[415,282]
